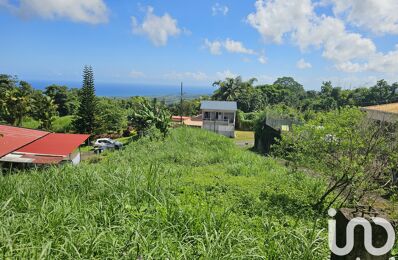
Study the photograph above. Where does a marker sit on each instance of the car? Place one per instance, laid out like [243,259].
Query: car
[107,143]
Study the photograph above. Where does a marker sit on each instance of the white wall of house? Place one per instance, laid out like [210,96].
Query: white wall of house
[221,122]
[75,157]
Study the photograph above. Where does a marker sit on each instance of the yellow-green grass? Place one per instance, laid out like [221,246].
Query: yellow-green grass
[244,135]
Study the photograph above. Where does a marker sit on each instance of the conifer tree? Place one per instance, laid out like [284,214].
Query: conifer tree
[85,121]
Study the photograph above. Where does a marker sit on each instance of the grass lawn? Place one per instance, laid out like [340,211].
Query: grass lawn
[62,124]
[59,125]
[244,136]
[193,196]
[29,122]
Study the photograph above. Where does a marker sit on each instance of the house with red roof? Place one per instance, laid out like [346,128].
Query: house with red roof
[28,146]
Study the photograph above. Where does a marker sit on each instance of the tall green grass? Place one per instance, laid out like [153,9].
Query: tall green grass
[194,195]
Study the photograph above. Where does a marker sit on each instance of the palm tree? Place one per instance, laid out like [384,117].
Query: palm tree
[231,88]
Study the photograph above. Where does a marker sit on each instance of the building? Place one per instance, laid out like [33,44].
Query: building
[386,113]
[194,121]
[33,147]
[219,117]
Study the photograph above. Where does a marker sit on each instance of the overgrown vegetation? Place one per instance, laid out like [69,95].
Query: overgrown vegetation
[357,155]
[193,195]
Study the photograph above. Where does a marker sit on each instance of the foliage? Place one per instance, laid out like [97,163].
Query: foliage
[111,117]
[66,99]
[245,121]
[150,115]
[352,152]
[194,195]
[15,100]
[289,92]
[189,108]
[44,110]
[86,120]
[234,89]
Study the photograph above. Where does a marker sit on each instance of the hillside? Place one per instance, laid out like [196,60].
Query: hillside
[195,195]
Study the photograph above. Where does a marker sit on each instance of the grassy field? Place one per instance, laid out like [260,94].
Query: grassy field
[195,195]
[60,124]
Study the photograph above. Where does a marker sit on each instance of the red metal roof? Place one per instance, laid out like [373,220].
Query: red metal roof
[55,144]
[12,138]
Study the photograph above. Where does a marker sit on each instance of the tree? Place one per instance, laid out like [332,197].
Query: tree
[112,118]
[290,84]
[60,96]
[284,90]
[86,119]
[148,116]
[44,110]
[15,101]
[234,89]
[350,151]
[326,88]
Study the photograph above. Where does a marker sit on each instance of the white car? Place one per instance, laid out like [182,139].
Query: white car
[107,143]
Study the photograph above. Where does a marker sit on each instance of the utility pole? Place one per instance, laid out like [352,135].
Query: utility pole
[181,110]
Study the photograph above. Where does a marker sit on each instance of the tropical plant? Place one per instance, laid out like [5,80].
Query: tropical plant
[15,101]
[150,115]
[44,110]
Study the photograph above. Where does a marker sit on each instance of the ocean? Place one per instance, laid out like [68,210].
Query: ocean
[127,90]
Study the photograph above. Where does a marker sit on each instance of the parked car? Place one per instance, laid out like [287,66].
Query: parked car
[107,143]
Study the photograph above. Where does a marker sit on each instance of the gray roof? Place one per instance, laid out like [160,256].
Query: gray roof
[219,105]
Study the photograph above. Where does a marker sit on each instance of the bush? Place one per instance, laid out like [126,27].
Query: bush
[245,121]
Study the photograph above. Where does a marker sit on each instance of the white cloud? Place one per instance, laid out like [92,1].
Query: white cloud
[157,28]
[225,74]
[274,18]
[196,76]
[349,66]
[88,11]
[237,47]
[135,74]
[214,47]
[302,64]
[219,9]
[351,52]
[338,44]
[379,16]
[262,59]
[385,63]
[229,45]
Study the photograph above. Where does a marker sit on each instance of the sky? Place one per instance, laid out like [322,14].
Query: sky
[350,42]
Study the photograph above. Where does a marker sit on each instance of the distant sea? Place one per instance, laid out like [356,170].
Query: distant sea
[126,90]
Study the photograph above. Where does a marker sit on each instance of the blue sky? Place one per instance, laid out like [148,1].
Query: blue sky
[350,42]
